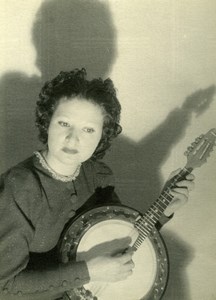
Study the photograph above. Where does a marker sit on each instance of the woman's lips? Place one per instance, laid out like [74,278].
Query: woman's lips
[70,151]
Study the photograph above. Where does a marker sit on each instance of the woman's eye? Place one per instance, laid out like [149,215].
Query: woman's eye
[89,130]
[64,124]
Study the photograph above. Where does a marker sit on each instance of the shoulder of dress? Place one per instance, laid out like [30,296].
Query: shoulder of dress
[101,167]
[20,188]
[22,171]
[102,173]
[21,177]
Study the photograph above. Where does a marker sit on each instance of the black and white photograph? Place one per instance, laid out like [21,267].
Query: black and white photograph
[107,145]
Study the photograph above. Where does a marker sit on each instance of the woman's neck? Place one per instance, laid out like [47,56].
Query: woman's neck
[60,168]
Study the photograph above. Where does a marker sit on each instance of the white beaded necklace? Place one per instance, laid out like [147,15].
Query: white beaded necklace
[55,175]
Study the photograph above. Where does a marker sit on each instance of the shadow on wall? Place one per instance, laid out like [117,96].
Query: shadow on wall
[74,33]
[66,34]
[136,167]
[180,256]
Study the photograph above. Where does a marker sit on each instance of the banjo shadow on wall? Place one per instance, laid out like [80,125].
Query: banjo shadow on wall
[82,34]
[137,171]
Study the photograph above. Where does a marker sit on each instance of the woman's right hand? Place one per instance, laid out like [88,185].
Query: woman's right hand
[111,268]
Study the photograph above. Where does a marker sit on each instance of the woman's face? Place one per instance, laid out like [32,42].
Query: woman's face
[74,133]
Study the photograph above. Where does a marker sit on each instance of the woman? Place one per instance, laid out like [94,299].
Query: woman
[77,120]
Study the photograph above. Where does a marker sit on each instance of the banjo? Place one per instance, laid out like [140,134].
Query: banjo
[102,229]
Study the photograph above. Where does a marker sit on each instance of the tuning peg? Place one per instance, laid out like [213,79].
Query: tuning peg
[197,140]
[186,153]
[190,148]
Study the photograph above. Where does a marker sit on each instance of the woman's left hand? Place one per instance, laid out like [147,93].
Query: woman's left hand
[180,192]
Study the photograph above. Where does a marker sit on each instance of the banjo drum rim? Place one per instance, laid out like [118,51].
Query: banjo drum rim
[77,226]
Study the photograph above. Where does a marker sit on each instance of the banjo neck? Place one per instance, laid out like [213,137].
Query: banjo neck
[146,223]
[197,155]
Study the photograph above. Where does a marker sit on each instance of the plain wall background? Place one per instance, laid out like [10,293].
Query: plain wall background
[162,58]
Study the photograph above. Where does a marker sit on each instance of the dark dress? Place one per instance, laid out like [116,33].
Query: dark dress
[34,208]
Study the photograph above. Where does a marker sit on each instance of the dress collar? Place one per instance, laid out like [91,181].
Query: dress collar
[53,174]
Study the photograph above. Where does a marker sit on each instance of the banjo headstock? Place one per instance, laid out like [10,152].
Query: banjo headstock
[200,149]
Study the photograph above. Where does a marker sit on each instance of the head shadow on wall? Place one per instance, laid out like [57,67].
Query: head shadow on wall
[74,34]
[66,34]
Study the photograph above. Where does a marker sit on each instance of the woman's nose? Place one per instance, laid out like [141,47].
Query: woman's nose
[72,135]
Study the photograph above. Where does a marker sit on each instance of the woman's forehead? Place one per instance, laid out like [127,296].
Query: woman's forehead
[80,108]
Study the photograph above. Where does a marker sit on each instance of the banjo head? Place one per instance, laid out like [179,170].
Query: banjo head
[102,231]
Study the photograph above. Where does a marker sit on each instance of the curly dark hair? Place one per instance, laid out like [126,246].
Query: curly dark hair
[74,84]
